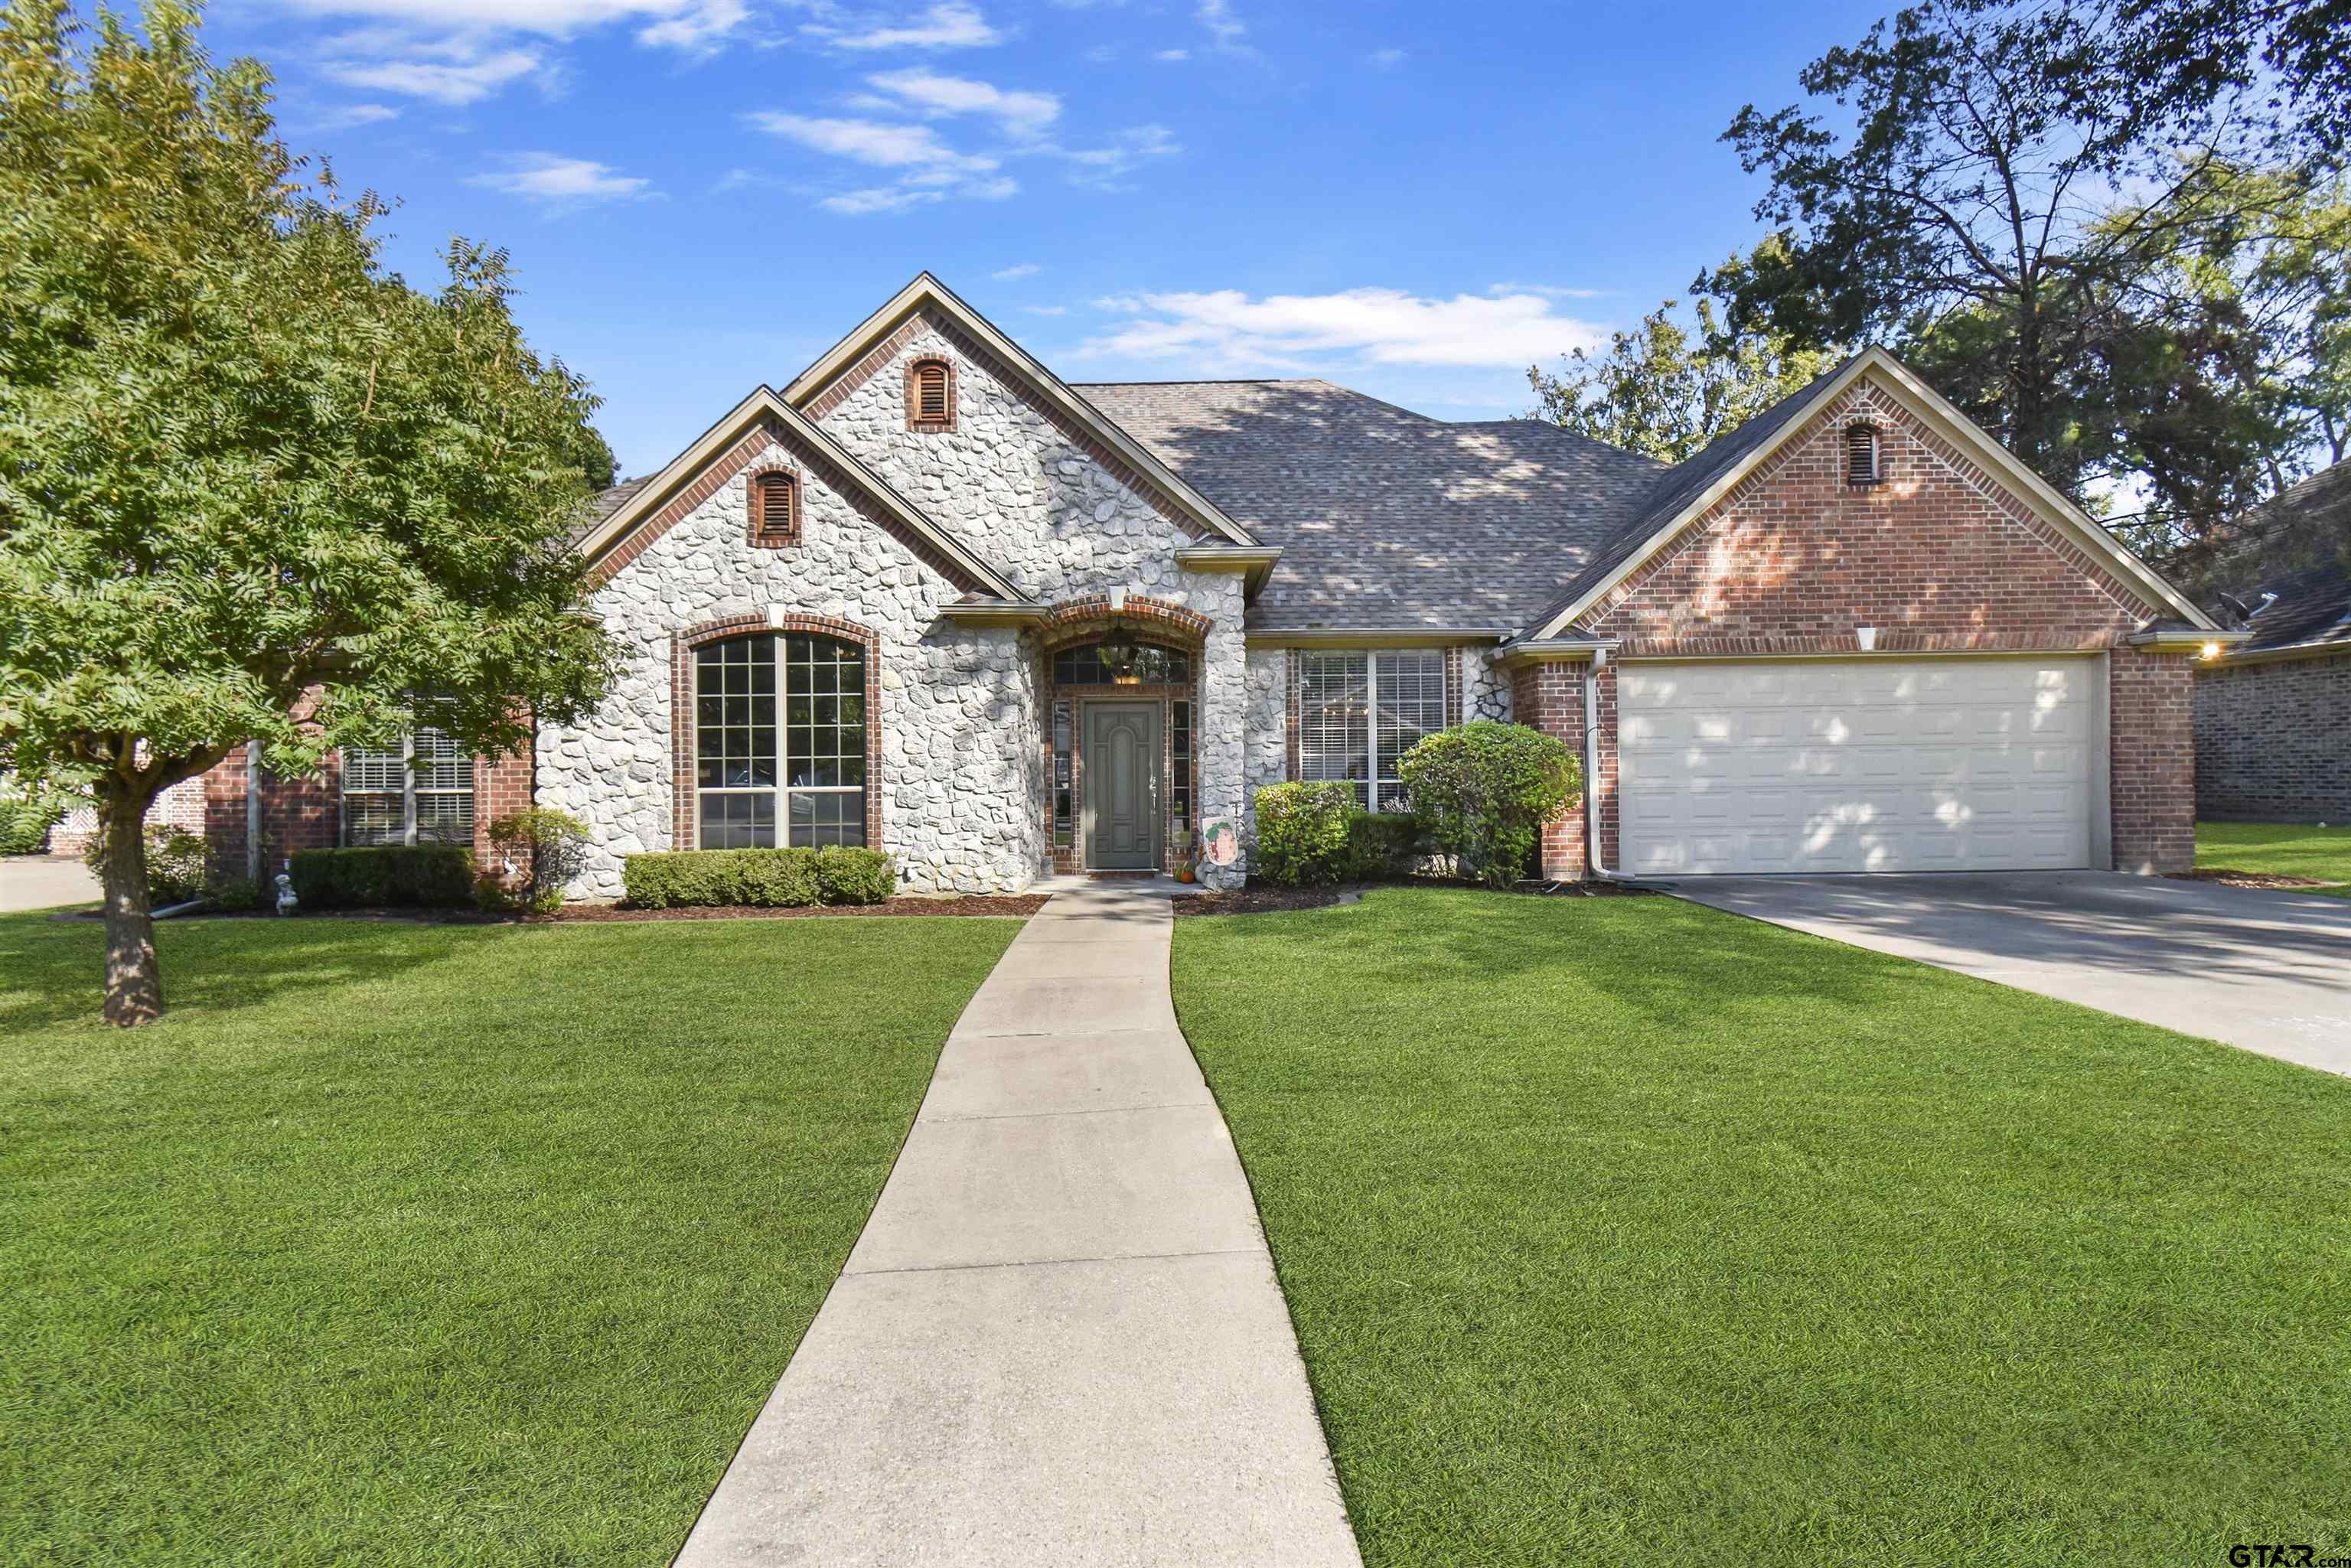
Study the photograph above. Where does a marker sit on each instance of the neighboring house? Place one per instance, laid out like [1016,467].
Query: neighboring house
[2273,712]
[931,598]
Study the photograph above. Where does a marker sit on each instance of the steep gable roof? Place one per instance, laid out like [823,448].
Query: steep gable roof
[1387,519]
[1688,490]
[636,503]
[927,293]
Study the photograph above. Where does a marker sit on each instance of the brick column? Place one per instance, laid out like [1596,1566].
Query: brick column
[2152,767]
[1550,698]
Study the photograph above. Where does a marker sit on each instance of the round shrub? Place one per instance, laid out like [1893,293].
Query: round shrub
[1484,792]
[26,822]
[175,863]
[549,846]
[1302,836]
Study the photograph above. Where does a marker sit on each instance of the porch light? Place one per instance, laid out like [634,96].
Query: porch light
[1117,652]
[2212,650]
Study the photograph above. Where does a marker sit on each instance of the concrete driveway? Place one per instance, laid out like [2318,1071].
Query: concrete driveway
[2267,971]
[44,882]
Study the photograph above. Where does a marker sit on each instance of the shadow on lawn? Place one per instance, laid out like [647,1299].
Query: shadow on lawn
[54,969]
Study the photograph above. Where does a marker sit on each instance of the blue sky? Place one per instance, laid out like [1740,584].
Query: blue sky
[700,196]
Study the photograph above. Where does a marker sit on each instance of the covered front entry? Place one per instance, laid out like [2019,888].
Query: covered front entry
[1122,759]
[1861,764]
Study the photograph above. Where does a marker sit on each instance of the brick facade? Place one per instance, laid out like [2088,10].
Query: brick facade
[1938,557]
[2273,741]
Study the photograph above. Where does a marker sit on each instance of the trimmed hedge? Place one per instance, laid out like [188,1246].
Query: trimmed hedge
[1484,792]
[758,879]
[1384,844]
[407,876]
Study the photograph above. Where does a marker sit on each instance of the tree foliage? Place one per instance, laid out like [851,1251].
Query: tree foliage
[1666,390]
[2103,276]
[240,462]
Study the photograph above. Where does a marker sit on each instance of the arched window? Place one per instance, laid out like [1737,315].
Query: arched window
[779,742]
[1861,455]
[775,500]
[930,395]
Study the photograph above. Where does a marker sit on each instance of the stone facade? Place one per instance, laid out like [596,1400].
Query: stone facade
[2273,740]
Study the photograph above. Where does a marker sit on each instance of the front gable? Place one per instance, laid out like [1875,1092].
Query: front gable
[1945,553]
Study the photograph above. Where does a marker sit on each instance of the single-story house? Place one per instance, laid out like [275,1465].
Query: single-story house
[932,598]
[2273,711]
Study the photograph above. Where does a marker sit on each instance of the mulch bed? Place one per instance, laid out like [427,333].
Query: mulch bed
[970,904]
[1275,900]
[2228,878]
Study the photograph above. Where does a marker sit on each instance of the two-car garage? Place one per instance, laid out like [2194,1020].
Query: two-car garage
[1873,764]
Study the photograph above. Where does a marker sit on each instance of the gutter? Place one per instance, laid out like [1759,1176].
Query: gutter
[1592,863]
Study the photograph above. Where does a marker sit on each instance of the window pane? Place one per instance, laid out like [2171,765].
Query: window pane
[745,822]
[1062,795]
[1411,688]
[371,772]
[1179,763]
[824,740]
[1334,719]
[828,817]
[373,818]
[439,764]
[735,711]
[1153,665]
[444,817]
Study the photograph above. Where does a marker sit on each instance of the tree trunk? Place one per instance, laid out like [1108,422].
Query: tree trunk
[134,985]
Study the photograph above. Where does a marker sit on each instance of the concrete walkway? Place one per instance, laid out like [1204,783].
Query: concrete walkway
[2267,971]
[1058,1340]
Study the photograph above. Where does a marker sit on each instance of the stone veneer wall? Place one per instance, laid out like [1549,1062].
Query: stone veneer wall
[963,790]
[1033,498]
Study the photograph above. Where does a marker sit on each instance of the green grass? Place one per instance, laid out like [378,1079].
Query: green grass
[1626,1231]
[2321,853]
[396,1244]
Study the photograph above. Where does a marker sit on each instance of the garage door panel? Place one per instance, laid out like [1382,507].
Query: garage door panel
[1862,765]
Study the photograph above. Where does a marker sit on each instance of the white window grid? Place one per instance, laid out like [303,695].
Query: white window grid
[421,791]
[1359,713]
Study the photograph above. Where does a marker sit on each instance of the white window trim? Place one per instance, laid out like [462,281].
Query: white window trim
[409,792]
[1378,776]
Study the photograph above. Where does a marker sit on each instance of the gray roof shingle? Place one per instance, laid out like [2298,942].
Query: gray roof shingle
[1387,519]
[2307,529]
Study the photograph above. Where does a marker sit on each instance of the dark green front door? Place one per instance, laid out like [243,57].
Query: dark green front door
[1122,786]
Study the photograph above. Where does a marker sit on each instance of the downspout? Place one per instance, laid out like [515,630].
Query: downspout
[1592,863]
[253,812]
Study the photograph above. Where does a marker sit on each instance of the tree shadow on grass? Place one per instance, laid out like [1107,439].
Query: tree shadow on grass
[52,972]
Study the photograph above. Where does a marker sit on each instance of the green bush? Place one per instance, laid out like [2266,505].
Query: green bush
[233,893]
[855,876]
[758,879]
[1382,845]
[1302,833]
[175,863]
[404,876]
[1484,790]
[26,822]
[552,846]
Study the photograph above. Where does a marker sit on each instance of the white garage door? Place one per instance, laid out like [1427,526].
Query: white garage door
[1865,765]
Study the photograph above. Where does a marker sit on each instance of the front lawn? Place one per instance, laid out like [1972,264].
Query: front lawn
[2324,854]
[396,1244]
[1622,1230]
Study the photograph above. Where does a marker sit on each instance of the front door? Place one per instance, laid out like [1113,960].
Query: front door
[1122,786]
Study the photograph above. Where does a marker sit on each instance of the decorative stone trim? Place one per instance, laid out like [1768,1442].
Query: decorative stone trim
[1077,620]
[915,369]
[684,829]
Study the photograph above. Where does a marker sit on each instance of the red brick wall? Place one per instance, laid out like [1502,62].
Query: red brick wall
[1939,557]
[1550,698]
[2273,741]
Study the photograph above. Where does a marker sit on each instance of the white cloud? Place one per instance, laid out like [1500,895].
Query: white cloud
[1226,29]
[1021,114]
[350,114]
[880,199]
[1226,329]
[872,142]
[1015,273]
[1045,309]
[1102,166]
[1547,291]
[952,26]
[682,23]
[1172,56]
[459,80]
[562,181]
[1385,59]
